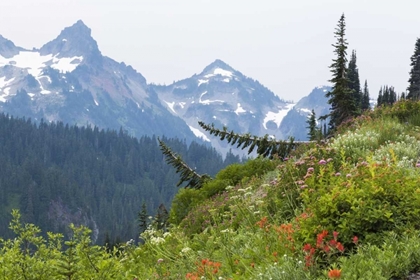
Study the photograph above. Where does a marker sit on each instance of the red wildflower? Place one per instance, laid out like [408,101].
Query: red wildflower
[340,247]
[334,273]
[355,240]
[320,238]
[335,234]
[307,247]
[261,223]
[332,243]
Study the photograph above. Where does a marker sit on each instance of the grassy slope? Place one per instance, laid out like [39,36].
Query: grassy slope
[346,209]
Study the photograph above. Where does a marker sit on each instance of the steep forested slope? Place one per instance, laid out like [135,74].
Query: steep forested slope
[58,174]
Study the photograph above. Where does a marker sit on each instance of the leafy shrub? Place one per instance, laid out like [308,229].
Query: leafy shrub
[187,199]
[379,262]
[363,201]
[370,136]
[403,110]
[183,203]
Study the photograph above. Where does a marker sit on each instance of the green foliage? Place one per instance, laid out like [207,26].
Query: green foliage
[193,179]
[362,201]
[232,175]
[183,203]
[403,110]
[266,146]
[30,256]
[393,259]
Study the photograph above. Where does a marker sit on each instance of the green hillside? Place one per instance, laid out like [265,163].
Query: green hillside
[345,209]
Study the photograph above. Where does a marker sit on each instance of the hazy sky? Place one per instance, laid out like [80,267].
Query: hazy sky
[286,45]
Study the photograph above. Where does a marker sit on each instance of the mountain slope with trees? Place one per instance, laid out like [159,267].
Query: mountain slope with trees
[58,174]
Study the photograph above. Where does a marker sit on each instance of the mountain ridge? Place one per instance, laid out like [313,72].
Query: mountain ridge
[68,79]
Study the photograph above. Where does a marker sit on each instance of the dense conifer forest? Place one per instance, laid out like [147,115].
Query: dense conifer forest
[58,174]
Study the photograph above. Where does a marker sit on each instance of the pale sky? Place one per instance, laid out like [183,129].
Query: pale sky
[285,45]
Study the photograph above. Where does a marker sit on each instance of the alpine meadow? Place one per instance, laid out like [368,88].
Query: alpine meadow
[88,202]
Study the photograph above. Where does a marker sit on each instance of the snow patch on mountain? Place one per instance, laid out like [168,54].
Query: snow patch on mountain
[34,62]
[225,73]
[219,71]
[171,106]
[66,64]
[305,110]
[4,83]
[239,109]
[207,101]
[199,134]
[277,117]
[202,82]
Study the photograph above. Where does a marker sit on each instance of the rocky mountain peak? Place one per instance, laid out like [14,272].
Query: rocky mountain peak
[8,48]
[75,40]
[218,67]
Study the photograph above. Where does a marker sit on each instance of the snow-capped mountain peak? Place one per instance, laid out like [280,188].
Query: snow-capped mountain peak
[68,80]
[224,96]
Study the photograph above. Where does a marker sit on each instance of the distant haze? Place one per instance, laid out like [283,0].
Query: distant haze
[285,45]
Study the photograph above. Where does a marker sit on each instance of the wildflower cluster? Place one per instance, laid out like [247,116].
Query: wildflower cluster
[325,248]
[206,269]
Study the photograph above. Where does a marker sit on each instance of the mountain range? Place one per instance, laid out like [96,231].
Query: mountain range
[69,80]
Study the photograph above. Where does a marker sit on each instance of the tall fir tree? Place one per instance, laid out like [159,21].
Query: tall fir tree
[387,96]
[162,216]
[380,99]
[402,96]
[413,90]
[341,99]
[354,81]
[313,130]
[365,97]
[142,218]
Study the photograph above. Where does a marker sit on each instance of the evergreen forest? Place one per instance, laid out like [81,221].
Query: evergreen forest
[58,174]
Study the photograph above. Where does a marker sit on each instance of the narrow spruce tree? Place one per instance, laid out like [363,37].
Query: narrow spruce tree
[413,90]
[162,216]
[341,99]
[380,99]
[365,97]
[354,81]
[142,218]
[402,96]
[385,95]
[392,95]
[313,130]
